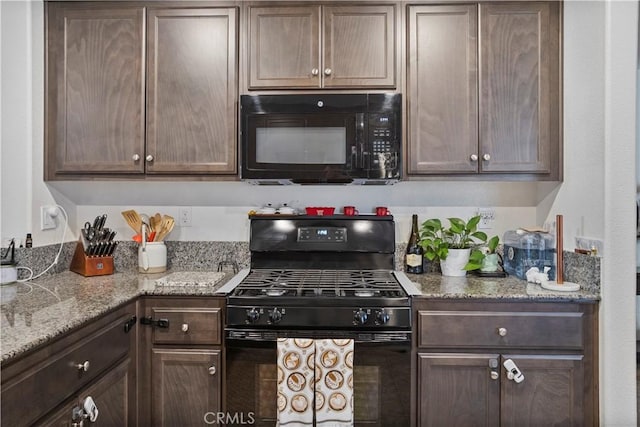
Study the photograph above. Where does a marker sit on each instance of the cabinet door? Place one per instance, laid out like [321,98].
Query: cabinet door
[458,390]
[191,91]
[113,395]
[442,90]
[359,46]
[185,386]
[520,94]
[550,395]
[95,89]
[284,47]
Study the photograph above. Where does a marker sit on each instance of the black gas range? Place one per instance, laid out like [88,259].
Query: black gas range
[321,276]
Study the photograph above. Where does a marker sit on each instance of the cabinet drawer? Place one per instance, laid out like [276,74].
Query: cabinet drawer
[50,383]
[196,325]
[479,329]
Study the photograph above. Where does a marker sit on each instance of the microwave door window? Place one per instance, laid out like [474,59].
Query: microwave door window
[301,145]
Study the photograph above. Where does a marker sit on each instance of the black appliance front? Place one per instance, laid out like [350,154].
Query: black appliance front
[382,374]
[321,138]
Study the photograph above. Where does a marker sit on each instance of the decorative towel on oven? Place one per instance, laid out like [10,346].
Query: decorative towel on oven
[295,381]
[315,376]
[334,383]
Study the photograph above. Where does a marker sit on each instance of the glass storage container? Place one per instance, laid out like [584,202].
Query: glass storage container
[526,249]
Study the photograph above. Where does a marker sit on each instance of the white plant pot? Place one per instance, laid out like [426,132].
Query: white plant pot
[455,262]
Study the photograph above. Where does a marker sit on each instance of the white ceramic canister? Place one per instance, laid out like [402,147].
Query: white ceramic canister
[8,273]
[152,257]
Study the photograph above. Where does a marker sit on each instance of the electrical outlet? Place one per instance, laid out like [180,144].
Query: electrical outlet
[185,216]
[487,218]
[47,217]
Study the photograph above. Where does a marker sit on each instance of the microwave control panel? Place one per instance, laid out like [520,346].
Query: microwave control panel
[381,134]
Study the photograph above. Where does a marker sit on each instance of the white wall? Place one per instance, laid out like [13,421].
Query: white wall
[599,120]
[597,197]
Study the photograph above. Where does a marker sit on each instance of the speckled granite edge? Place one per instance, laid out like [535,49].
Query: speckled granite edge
[35,312]
[578,268]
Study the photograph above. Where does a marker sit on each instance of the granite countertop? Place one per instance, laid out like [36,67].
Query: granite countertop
[434,285]
[35,312]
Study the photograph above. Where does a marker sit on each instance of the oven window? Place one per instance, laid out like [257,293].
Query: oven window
[301,145]
[381,372]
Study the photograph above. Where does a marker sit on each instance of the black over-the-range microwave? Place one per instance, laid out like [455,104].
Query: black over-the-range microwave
[321,138]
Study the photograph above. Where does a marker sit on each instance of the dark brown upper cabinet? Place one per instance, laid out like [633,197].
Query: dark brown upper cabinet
[135,90]
[191,91]
[484,90]
[95,120]
[317,46]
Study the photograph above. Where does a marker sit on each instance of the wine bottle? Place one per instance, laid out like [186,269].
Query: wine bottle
[413,259]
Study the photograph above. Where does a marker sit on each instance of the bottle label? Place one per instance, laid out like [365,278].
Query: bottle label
[414,260]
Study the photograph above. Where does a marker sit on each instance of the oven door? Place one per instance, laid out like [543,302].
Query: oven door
[381,375]
[310,147]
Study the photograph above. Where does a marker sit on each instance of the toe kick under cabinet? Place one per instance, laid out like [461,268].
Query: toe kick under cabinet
[180,363]
[550,350]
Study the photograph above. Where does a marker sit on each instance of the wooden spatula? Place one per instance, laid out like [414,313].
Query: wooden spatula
[134,220]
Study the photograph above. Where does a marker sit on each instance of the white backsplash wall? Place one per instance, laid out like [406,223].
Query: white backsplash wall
[212,223]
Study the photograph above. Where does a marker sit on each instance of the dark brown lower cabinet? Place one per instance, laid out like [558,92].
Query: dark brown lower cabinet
[461,349]
[181,364]
[111,395]
[185,386]
[48,386]
[459,389]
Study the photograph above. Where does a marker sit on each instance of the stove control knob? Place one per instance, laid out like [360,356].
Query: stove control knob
[253,315]
[275,316]
[360,317]
[382,317]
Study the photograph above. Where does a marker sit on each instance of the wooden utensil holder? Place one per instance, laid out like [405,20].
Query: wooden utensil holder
[89,266]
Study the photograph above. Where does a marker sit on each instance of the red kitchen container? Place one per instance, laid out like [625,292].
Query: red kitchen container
[319,210]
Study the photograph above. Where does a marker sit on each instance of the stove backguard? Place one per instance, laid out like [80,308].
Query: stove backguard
[322,242]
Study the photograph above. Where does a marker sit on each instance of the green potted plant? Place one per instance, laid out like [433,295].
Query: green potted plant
[452,246]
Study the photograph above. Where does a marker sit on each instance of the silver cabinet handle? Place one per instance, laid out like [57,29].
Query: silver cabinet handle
[185,327]
[474,157]
[212,370]
[84,367]
[149,158]
[327,71]
[486,157]
[502,332]
[494,375]
[136,157]
[315,72]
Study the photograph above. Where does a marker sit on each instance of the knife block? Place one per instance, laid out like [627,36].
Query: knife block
[89,266]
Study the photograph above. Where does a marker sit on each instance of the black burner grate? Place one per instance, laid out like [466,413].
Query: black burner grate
[310,283]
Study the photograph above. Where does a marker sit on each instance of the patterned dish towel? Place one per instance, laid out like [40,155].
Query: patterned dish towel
[315,375]
[295,382]
[334,383]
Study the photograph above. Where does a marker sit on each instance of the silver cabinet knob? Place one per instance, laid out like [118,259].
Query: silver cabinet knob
[502,332]
[84,367]
[136,157]
[494,375]
[185,327]
[315,72]
[474,157]
[212,370]
[149,158]
[327,71]
[486,157]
